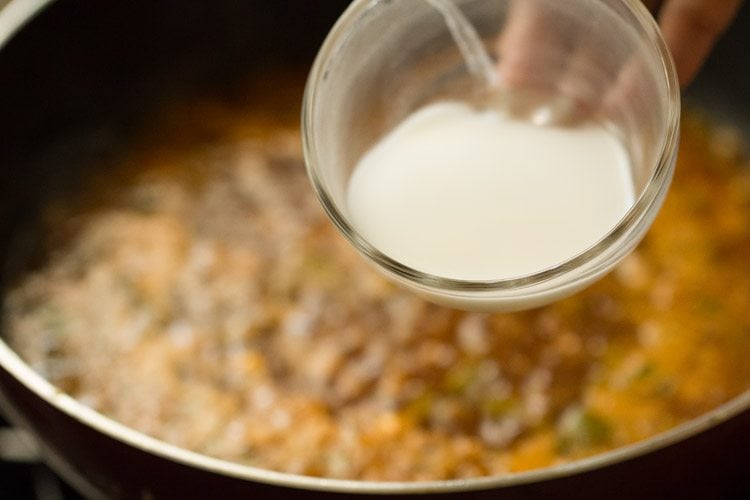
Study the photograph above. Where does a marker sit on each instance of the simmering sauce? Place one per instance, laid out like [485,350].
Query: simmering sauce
[196,291]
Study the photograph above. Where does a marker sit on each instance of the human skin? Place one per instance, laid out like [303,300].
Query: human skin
[691,28]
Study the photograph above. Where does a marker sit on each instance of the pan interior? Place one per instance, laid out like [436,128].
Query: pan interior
[623,337]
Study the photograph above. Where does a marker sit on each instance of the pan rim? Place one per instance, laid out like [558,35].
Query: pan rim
[23,373]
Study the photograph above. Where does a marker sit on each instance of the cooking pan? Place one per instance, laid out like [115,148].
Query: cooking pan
[77,78]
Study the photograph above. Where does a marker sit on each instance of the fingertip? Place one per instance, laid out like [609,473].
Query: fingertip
[691,28]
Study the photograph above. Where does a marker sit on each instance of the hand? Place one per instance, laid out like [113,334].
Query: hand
[536,41]
[691,28]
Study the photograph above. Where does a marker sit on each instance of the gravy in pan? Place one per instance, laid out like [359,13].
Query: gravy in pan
[197,293]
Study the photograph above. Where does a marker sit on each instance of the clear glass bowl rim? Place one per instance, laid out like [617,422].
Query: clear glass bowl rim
[627,233]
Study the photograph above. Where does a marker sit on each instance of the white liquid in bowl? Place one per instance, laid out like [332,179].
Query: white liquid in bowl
[474,195]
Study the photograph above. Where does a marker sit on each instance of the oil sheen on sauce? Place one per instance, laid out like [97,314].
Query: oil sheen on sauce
[474,195]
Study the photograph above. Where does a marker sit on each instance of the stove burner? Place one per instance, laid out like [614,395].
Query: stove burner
[22,473]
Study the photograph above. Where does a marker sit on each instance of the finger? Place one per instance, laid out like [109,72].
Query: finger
[595,65]
[532,48]
[691,28]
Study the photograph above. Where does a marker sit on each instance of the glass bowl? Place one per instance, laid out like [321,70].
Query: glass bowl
[557,63]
